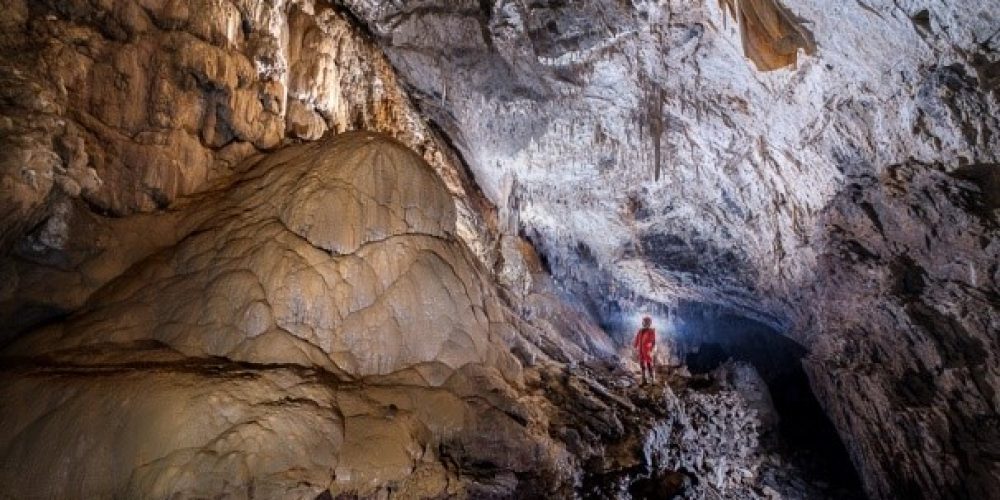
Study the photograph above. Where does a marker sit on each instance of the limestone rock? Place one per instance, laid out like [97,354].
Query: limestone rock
[771,35]
[331,255]
[825,168]
[304,122]
[113,108]
[904,322]
[720,152]
[174,430]
[320,328]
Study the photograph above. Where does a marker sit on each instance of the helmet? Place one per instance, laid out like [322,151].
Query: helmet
[646,320]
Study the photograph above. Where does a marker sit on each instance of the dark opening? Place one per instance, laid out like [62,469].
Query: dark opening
[707,338]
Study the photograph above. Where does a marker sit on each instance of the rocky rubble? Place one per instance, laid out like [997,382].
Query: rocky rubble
[716,443]
[703,437]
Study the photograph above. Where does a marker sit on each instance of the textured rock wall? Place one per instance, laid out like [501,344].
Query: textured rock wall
[636,144]
[318,327]
[322,240]
[122,107]
[904,320]
[648,156]
[566,112]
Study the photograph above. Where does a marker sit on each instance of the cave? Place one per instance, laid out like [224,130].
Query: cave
[491,249]
[708,338]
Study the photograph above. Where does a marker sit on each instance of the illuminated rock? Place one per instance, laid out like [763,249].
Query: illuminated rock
[322,327]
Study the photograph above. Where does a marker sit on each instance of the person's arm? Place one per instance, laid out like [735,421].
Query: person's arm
[635,342]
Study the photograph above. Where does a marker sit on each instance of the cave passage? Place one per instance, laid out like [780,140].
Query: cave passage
[369,249]
[706,338]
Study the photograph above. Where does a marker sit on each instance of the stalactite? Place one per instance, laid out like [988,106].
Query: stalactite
[771,35]
[656,130]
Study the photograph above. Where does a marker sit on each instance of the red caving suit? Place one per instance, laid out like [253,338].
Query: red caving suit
[645,340]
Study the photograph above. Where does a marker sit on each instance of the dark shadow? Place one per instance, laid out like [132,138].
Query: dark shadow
[708,337]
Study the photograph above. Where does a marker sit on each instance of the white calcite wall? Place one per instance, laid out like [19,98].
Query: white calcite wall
[769,182]
[562,99]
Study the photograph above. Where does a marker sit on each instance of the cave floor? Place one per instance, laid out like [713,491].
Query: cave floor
[780,466]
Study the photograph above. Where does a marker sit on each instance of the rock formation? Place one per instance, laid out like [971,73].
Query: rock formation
[771,36]
[732,154]
[904,318]
[121,107]
[320,326]
[203,291]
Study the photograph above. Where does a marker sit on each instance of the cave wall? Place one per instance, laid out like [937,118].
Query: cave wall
[234,305]
[318,327]
[125,107]
[633,142]
[566,112]
[663,151]
[320,331]
[903,321]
